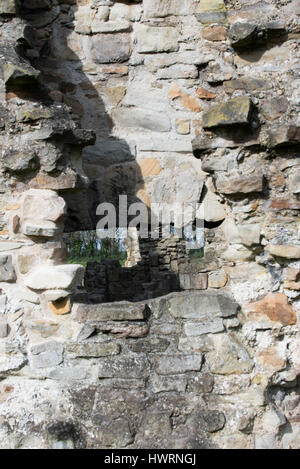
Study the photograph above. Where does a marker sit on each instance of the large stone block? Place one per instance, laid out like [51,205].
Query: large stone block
[111,48]
[178,364]
[43,205]
[228,356]
[240,184]
[237,111]
[121,311]
[284,250]
[60,277]
[131,366]
[93,349]
[273,308]
[154,39]
[201,306]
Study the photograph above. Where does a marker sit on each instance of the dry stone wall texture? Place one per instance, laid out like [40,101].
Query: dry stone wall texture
[165,101]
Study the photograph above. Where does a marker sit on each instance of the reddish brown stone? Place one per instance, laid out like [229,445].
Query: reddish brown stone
[214,33]
[276,307]
[205,94]
[269,359]
[15,223]
[285,204]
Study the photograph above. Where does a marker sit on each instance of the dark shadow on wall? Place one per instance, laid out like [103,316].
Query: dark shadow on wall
[109,166]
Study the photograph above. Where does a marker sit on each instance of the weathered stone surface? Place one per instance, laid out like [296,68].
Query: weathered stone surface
[142,118]
[214,33]
[203,383]
[270,360]
[4,330]
[240,185]
[250,234]
[131,366]
[282,135]
[168,383]
[178,364]
[111,48]
[123,311]
[46,355]
[236,111]
[217,279]
[202,306]
[7,271]
[154,39]
[243,34]
[211,11]
[110,26]
[213,211]
[7,7]
[163,8]
[205,326]
[284,251]
[229,356]
[274,307]
[93,349]
[43,205]
[19,162]
[54,277]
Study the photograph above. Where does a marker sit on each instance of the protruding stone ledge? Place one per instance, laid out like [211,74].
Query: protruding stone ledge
[237,111]
[123,311]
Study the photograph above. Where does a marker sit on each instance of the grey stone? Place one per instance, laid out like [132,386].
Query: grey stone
[142,118]
[168,383]
[122,311]
[7,271]
[46,355]
[201,306]
[10,364]
[206,326]
[75,373]
[202,383]
[111,48]
[243,35]
[154,39]
[113,433]
[207,420]
[93,349]
[178,364]
[131,366]
[20,162]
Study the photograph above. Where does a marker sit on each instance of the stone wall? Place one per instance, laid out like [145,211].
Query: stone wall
[186,101]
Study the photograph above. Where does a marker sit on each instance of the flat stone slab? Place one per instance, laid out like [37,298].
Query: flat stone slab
[123,311]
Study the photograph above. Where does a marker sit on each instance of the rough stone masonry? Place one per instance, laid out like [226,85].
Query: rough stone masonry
[166,101]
